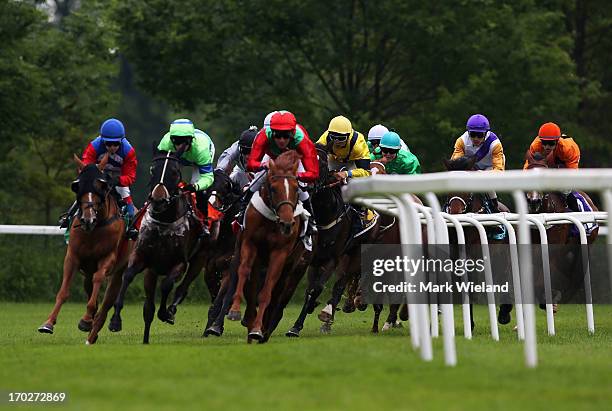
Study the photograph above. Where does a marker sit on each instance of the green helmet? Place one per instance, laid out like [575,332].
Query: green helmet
[391,140]
[182,128]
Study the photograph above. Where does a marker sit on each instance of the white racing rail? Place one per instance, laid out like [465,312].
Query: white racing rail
[389,194]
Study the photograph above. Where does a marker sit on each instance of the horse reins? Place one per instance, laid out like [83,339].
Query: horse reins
[278,205]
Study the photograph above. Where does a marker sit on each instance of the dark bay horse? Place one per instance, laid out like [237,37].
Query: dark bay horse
[335,251]
[461,203]
[269,239]
[168,241]
[97,247]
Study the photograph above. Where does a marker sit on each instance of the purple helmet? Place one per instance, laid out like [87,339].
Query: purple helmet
[478,122]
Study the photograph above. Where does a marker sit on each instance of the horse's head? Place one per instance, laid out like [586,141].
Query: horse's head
[91,189]
[535,199]
[223,191]
[377,167]
[282,186]
[322,156]
[464,163]
[165,179]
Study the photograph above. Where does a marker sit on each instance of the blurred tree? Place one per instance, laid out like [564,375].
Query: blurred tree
[57,91]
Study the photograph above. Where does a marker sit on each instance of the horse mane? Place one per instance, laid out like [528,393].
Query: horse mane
[287,161]
[535,160]
[463,163]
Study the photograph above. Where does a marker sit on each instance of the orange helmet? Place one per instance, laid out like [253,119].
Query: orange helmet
[549,131]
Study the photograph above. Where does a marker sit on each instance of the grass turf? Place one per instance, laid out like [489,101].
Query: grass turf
[349,369]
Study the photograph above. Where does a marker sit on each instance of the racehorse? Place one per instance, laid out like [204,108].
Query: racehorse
[97,244]
[223,202]
[168,241]
[461,203]
[562,238]
[273,223]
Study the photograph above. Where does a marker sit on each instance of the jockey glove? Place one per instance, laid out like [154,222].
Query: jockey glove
[190,187]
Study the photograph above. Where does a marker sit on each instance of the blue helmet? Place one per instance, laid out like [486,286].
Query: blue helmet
[478,123]
[391,140]
[112,130]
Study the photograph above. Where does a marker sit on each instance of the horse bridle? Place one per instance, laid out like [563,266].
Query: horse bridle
[466,204]
[171,197]
[277,206]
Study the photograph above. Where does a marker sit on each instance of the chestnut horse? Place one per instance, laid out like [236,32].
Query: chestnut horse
[97,244]
[269,238]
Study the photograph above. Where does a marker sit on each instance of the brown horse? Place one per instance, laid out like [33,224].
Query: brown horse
[461,203]
[167,243]
[270,236]
[564,260]
[97,244]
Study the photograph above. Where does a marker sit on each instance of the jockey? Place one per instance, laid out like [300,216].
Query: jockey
[559,151]
[121,167]
[481,142]
[376,133]
[396,159]
[282,135]
[347,149]
[198,152]
[234,158]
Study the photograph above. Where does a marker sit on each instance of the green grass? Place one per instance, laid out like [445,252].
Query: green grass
[350,369]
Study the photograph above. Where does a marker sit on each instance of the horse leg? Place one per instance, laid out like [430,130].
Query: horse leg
[275,268]
[135,266]
[104,268]
[327,314]
[148,310]
[109,298]
[349,302]
[293,278]
[312,292]
[217,304]
[181,291]
[504,316]
[248,252]
[391,321]
[166,287]
[86,321]
[224,300]
[71,266]
[377,310]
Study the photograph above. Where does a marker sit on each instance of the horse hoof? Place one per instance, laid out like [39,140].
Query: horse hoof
[397,324]
[348,307]
[234,316]
[165,317]
[293,333]
[386,327]
[503,317]
[45,329]
[90,341]
[325,328]
[256,335]
[325,316]
[172,311]
[213,330]
[114,326]
[85,326]
[374,330]
[362,307]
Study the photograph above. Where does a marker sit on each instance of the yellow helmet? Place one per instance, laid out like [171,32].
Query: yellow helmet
[340,125]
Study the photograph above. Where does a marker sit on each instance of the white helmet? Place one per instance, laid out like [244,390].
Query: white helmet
[377,132]
[269,117]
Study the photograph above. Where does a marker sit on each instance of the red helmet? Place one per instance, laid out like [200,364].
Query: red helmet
[549,131]
[283,121]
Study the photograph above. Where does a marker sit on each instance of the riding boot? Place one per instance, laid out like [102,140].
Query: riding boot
[65,218]
[202,204]
[497,232]
[132,232]
[244,203]
[312,224]
[572,202]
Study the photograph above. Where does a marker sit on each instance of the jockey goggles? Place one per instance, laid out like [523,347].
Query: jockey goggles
[283,134]
[550,143]
[109,143]
[178,140]
[338,138]
[477,134]
[386,150]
